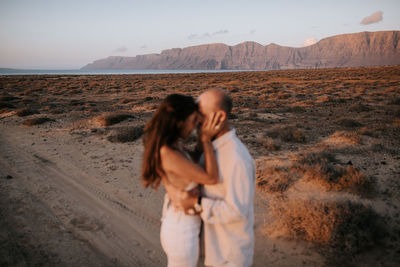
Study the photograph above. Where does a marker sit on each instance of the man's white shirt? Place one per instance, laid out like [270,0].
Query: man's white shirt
[228,207]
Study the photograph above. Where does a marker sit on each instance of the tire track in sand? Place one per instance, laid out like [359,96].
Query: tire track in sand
[118,228]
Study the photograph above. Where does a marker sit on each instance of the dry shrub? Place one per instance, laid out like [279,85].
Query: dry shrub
[338,178]
[282,95]
[4,104]
[359,108]
[269,143]
[343,137]
[232,116]
[26,112]
[75,102]
[344,224]
[367,131]
[348,123]
[57,110]
[396,113]
[315,158]
[321,169]
[275,179]
[126,134]
[292,134]
[395,101]
[323,99]
[127,100]
[5,98]
[36,121]
[29,92]
[296,109]
[315,169]
[108,119]
[288,134]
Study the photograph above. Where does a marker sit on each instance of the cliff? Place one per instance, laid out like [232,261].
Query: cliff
[347,50]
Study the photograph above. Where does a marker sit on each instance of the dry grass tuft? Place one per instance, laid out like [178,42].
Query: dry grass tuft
[108,119]
[344,224]
[36,121]
[126,134]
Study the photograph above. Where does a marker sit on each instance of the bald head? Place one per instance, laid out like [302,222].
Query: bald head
[218,102]
[214,100]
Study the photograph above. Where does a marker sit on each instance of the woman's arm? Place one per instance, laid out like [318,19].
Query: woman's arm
[210,162]
[176,163]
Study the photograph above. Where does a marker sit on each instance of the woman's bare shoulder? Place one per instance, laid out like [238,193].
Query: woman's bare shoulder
[169,157]
[166,151]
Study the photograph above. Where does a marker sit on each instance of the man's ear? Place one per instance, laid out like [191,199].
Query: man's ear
[222,115]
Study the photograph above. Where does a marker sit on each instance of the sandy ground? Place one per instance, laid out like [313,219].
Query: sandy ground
[70,197]
[79,201]
[81,194]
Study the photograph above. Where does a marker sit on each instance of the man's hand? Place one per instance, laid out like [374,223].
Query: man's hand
[181,200]
[187,201]
[211,126]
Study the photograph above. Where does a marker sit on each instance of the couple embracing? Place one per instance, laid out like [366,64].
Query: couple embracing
[213,195]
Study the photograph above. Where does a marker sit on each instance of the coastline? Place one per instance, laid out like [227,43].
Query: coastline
[6,71]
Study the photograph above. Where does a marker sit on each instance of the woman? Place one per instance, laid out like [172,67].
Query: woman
[166,161]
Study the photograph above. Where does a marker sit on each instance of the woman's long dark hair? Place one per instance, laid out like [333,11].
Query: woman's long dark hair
[164,128]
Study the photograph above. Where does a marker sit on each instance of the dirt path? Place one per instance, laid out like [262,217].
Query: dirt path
[113,225]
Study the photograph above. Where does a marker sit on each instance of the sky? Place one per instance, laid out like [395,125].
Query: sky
[55,34]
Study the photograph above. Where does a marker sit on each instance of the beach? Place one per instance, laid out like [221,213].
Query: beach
[71,149]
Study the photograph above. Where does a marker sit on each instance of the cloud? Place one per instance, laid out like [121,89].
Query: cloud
[221,32]
[207,35]
[192,36]
[373,18]
[121,49]
[309,41]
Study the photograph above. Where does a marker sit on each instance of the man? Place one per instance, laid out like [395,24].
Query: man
[227,208]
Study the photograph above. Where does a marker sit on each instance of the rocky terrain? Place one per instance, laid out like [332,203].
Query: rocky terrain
[326,144]
[347,50]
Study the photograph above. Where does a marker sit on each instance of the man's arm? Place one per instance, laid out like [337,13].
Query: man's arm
[239,196]
[239,186]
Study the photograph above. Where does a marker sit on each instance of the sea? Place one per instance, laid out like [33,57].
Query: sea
[103,72]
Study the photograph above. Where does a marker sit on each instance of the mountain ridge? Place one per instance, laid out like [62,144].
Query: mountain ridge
[344,50]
